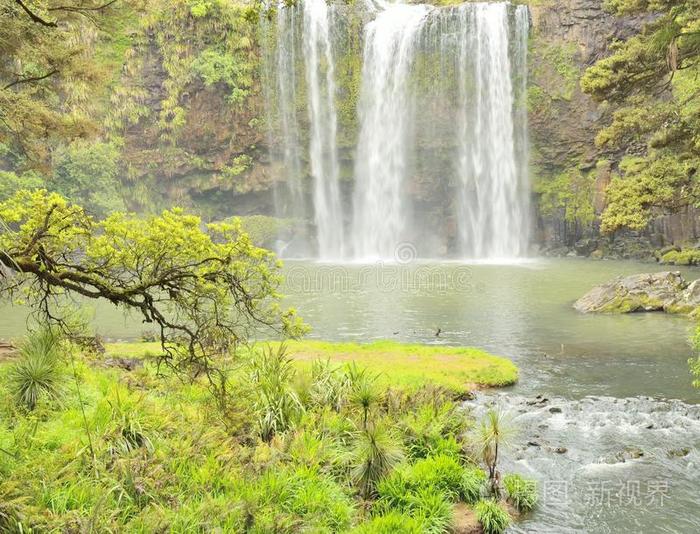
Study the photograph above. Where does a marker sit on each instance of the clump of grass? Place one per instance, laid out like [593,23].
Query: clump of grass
[492,516]
[277,405]
[430,430]
[38,374]
[391,523]
[472,485]
[521,493]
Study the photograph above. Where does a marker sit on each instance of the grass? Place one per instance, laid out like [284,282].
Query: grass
[399,365]
[140,452]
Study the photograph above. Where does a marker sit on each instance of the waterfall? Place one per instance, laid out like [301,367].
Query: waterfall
[441,154]
[493,202]
[385,113]
[305,29]
[323,152]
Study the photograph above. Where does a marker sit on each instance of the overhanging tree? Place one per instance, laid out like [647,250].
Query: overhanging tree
[207,289]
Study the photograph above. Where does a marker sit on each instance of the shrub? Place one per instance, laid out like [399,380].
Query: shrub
[522,493]
[38,373]
[375,453]
[492,516]
[277,405]
[391,523]
[432,509]
[472,484]
[682,257]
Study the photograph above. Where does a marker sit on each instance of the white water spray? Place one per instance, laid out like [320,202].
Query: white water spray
[385,113]
[323,152]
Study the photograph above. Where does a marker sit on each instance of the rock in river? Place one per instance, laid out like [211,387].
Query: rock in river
[665,291]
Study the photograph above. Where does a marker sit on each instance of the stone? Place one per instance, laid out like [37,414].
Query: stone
[561,450]
[584,247]
[554,409]
[665,291]
[679,453]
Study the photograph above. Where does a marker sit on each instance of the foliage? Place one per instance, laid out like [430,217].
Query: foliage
[11,182]
[277,405]
[492,516]
[48,79]
[472,484]
[688,256]
[521,493]
[391,523]
[652,78]
[694,363]
[375,452]
[571,194]
[38,374]
[426,428]
[263,230]
[87,173]
[494,431]
[205,290]
[166,461]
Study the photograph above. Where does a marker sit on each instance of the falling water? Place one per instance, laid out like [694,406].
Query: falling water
[493,197]
[303,34]
[441,153]
[385,114]
[323,152]
[474,101]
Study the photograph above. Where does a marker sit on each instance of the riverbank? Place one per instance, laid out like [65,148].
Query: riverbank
[329,449]
[409,366]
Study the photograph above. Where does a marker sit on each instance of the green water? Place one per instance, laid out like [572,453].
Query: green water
[520,311]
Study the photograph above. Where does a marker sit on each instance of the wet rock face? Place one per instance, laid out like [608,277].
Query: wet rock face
[665,291]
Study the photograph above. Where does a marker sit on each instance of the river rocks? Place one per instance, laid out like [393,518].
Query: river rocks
[665,291]
[679,453]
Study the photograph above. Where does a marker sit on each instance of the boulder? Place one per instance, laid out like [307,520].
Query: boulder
[584,247]
[665,291]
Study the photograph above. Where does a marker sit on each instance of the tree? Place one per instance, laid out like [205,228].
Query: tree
[48,76]
[653,78]
[492,434]
[206,290]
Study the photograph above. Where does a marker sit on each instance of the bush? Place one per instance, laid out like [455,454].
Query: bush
[472,484]
[492,516]
[443,473]
[682,257]
[432,509]
[391,523]
[38,373]
[522,493]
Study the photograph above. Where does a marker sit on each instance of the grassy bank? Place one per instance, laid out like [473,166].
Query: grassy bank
[297,447]
[406,366]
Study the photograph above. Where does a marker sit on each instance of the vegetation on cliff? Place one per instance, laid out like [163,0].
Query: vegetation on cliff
[653,76]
